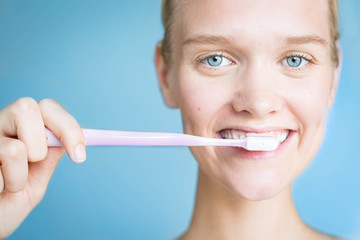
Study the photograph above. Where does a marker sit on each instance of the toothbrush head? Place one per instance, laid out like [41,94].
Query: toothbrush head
[261,143]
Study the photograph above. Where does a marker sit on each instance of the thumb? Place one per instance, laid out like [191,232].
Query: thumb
[40,173]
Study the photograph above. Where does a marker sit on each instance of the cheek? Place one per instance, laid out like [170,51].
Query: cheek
[309,105]
[201,100]
[309,102]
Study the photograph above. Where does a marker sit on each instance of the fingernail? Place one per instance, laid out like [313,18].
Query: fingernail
[79,155]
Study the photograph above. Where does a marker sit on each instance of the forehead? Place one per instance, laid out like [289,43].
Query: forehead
[253,19]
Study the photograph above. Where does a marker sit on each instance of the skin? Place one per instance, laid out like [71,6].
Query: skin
[237,198]
[26,164]
[254,90]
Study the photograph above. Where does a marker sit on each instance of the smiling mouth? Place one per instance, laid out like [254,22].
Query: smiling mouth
[280,135]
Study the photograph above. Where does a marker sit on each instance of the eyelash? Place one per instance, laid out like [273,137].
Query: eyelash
[304,56]
[204,57]
[200,59]
[298,54]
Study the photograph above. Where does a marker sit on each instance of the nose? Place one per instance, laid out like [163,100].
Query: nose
[257,93]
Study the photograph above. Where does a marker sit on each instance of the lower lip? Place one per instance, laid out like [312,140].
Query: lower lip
[260,155]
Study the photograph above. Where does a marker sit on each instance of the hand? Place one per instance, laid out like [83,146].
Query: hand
[26,163]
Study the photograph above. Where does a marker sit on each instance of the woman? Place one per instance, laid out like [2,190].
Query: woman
[233,68]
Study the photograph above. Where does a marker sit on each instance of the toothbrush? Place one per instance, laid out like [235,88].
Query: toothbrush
[95,137]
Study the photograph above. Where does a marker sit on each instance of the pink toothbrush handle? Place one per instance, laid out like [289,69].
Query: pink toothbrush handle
[94,137]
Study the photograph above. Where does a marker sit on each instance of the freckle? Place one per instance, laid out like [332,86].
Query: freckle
[198,108]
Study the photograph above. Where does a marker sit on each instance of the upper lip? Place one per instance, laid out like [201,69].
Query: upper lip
[254,130]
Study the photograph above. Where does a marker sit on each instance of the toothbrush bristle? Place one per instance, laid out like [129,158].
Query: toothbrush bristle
[261,143]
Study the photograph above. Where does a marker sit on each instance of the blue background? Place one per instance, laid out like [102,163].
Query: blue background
[95,57]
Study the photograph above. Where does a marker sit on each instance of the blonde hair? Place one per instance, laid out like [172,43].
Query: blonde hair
[168,16]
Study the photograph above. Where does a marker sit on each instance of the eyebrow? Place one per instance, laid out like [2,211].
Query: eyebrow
[306,39]
[217,39]
[206,39]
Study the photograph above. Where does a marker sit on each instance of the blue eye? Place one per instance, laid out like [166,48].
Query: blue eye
[295,62]
[216,61]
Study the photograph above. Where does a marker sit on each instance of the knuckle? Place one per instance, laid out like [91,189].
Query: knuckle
[47,103]
[26,104]
[14,149]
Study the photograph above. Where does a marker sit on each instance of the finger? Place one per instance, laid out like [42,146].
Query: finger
[40,173]
[14,165]
[65,127]
[22,119]
[1,181]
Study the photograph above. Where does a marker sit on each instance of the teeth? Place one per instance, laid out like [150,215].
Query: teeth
[236,134]
[283,136]
[259,134]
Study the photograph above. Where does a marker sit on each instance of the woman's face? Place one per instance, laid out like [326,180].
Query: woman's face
[241,67]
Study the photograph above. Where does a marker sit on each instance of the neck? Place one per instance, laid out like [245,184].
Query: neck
[218,214]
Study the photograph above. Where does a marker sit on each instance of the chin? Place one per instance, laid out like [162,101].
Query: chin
[256,186]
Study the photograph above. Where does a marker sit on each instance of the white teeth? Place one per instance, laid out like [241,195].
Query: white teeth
[228,135]
[237,134]
[259,134]
[283,136]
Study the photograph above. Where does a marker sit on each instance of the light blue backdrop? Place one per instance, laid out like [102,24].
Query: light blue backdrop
[95,57]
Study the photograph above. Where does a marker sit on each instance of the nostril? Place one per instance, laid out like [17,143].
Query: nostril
[273,112]
[257,106]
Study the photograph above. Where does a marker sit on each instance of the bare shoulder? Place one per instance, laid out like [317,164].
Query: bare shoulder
[318,237]
[310,235]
